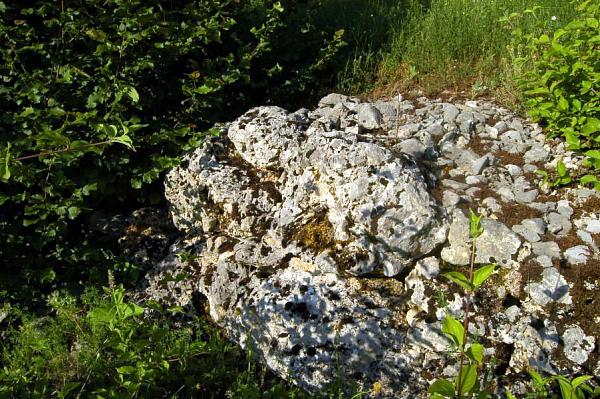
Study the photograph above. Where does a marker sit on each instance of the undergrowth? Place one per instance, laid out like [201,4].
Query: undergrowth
[103,345]
[461,45]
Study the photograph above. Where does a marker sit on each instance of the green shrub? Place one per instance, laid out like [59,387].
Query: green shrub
[98,99]
[105,346]
[561,79]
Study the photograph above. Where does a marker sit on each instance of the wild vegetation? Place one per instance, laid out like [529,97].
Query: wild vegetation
[100,98]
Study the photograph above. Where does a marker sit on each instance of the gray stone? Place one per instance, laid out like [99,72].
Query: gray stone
[537,153]
[578,345]
[585,236]
[514,170]
[592,226]
[455,185]
[412,147]
[369,117]
[476,180]
[564,208]
[501,127]
[552,288]
[525,197]
[497,244]
[577,255]
[450,113]
[527,233]
[492,204]
[529,168]
[479,164]
[332,99]
[547,248]
[559,223]
[450,199]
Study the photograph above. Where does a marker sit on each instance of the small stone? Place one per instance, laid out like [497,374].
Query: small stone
[332,99]
[547,248]
[472,191]
[578,346]
[537,153]
[436,130]
[526,233]
[525,197]
[585,236]
[369,117]
[514,170]
[506,193]
[450,199]
[450,113]
[492,204]
[577,255]
[563,208]
[544,261]
[412,147]
[501,127]
[529,168]
[476,180]
[428,267]
[558,223]
[552,288]
[592,226]
[479,164]
[455,185]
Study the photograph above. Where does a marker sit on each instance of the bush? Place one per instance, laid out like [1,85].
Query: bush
[561,79]
[107,347]
[99,97]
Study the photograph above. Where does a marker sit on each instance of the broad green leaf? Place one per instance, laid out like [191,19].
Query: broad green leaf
[593,154]
[482,274]
[592,126]
[580,380]
[96,34]
[563,104]
[467,379]
[475,228]
[442,387]
[73,212]
[561,169]
[126,370]
[133,94]
[124,140]
[475,352]
[454,329]
[5,165]
[459,279]
[536,377]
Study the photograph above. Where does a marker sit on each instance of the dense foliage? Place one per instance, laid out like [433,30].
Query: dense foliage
[561,78]
[99,97]
[103,346]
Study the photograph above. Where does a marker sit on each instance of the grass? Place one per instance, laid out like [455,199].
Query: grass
[442,45]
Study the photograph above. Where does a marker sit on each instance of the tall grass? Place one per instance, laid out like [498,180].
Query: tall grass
[458,44]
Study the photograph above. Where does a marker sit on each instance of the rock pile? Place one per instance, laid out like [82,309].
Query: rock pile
[318,238]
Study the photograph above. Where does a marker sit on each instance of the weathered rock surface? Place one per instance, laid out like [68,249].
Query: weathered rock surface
[319,239]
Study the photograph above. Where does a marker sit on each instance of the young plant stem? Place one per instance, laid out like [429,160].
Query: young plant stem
[466,319]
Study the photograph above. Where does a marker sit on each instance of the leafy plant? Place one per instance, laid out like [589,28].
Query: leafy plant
[105,345]
[560,78]
[79,77]
[563,177]
[575,388]
[466,384]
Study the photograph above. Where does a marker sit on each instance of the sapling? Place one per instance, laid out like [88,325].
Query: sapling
[466,384]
